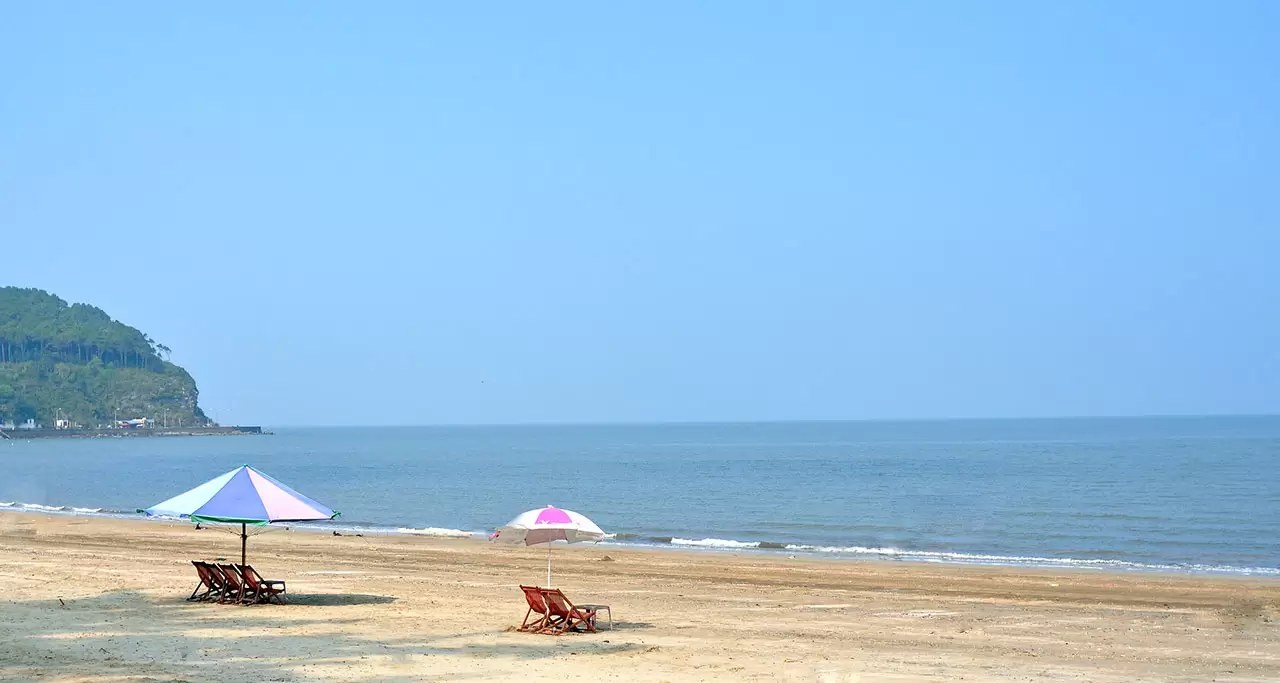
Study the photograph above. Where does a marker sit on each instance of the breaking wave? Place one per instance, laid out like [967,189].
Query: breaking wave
[715,543]
[36,507]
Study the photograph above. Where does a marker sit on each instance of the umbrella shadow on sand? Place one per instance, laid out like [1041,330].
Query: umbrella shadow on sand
[130,633]
[302,600]
[339,599]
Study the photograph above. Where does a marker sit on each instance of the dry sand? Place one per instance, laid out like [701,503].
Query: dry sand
[103,600]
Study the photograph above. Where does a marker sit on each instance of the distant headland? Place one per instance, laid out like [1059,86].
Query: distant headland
[73,371]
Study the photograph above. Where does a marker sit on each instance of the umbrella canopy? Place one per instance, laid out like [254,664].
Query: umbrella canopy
[550,524]
[547,525]
[242,496]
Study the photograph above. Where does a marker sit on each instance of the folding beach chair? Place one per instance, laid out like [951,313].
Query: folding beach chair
[235,590]
[219,581]
[210,585]
[537,606]
[261,589]
[562,616]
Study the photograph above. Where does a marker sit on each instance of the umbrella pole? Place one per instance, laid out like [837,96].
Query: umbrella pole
[244,539]
[548,565]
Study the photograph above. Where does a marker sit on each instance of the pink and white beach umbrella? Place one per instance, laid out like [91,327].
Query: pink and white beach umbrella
[547,525]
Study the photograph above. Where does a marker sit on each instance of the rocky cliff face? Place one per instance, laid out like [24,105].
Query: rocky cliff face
[93,395]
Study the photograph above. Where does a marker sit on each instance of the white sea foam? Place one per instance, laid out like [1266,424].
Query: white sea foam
[42,508]
[437,532]
[60,509]
[714,543]
[1026,561]
[949,557]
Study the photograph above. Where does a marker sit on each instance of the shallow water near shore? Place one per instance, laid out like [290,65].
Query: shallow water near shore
[1193,494]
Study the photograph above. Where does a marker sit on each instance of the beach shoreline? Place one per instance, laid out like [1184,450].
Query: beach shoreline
[89,599]
[763,549]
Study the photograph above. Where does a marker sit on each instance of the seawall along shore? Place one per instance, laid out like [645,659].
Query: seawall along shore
[22,434]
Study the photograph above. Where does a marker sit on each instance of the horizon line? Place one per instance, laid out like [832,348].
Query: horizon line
[676,423]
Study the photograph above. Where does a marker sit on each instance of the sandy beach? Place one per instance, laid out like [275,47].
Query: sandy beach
[100,600]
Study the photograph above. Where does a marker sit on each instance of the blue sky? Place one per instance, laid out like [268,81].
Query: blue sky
[409,213]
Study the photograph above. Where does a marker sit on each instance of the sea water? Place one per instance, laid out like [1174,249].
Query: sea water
[1187,494]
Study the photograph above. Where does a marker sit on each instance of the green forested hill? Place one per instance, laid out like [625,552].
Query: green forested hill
[75,362]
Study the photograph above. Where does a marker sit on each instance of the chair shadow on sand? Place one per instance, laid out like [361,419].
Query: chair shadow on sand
[603,627]
[624,626]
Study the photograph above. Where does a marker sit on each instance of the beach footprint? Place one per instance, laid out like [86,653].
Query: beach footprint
[834,676]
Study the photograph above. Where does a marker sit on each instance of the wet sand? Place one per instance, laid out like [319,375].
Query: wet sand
[98,600]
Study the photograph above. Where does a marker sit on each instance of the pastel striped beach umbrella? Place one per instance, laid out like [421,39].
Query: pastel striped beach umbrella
[242,496]
[547,525]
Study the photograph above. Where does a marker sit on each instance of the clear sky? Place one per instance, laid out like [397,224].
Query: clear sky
[409,213]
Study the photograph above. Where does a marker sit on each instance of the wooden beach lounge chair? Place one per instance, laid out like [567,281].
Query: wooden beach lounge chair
[261,590]
[218,579]
[208,587]
[536,618]
[563,616]
[235,590]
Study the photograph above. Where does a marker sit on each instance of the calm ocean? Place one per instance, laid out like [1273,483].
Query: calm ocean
[1196,494]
